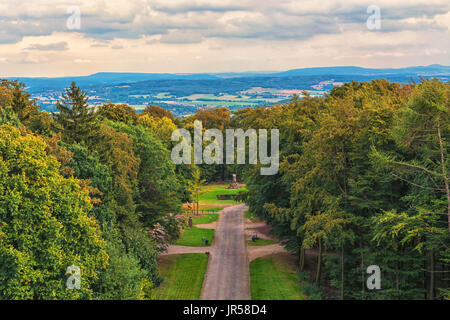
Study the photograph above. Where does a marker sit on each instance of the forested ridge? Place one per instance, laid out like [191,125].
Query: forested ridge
[363,180]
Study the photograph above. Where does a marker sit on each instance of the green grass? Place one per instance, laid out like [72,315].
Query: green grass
[273,279]
[205,209]
[193,237]
[183,277]
[211,209]
[208,194]
[261,242]
[205,219]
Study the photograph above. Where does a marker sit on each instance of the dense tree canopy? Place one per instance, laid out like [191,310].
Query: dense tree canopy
[364,173]
[45,225]
[363,180]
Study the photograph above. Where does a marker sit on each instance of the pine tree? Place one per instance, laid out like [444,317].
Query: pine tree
[77,120]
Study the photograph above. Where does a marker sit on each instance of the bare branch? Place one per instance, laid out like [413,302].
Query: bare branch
[417,185]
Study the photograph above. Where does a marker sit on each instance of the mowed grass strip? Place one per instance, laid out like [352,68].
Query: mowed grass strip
[261,242]
[183,276]
[205,218]
[212,209]
[273,279]
[193,237]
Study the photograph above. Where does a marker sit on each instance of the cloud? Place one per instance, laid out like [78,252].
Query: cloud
[180,6]
[229,35]
[181,37]
[82,61]
[260,19]
[60,46]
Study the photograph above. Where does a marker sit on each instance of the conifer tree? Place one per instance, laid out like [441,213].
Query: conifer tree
[76,119]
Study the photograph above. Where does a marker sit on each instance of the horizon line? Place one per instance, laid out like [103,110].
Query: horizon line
[224,72]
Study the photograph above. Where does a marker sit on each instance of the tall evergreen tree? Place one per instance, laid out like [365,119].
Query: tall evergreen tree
[77,120]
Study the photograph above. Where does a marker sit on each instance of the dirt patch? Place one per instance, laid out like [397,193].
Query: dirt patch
[261,251]
[287,258]
[212,225]
[250,232]
[174,249]
[261,229]
[254,224]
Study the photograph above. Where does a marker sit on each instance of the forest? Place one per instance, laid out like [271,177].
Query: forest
[363,180]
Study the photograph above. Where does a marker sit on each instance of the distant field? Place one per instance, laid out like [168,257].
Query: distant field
[271,278]
[219,100]
[193,237]
[183,276]
[221,103]
[208,194]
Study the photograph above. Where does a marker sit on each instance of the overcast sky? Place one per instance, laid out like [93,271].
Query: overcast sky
[40,37]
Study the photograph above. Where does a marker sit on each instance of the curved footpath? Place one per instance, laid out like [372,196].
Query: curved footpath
[227,276]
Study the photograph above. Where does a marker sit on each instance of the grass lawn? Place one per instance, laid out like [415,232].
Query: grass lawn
[212,209]
[183,276]
[193,237]
[261,242]
[208,194]
[205,218]
[272,278]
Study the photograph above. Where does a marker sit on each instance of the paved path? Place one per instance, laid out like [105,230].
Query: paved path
[227,276]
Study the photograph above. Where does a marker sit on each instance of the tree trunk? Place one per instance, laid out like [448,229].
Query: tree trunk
[363,278]
[319,264]
[432,273]
[342,272]
[302,258]
[444,173]
[197,202]
[397,282]
[425,279]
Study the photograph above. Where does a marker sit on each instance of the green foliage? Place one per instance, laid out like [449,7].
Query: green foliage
[44,226]
[7,116]
[364,179]
[158,191]
[123,277]
[364,173]
[118,112]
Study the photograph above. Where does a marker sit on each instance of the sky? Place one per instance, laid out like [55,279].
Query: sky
[81,37]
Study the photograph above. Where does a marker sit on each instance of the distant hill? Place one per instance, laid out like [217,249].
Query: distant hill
[434,69]
[183,94]
[110,78]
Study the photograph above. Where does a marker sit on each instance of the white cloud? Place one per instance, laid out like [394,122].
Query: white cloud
[228,35]
[82,61]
